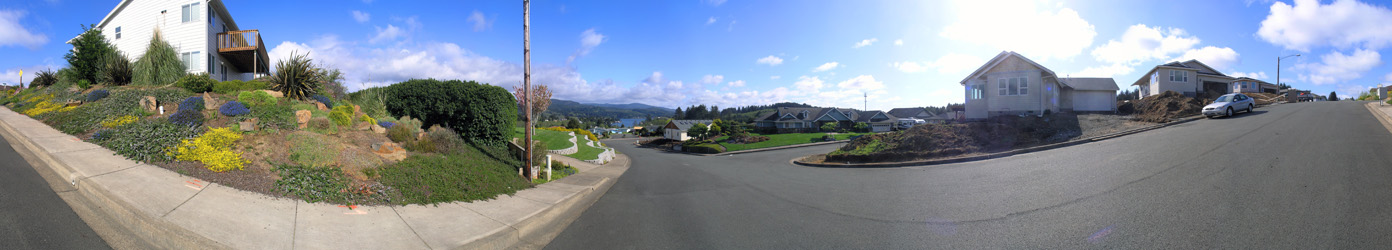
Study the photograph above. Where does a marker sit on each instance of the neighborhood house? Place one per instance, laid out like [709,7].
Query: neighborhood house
[1011,84]
[202,31]
[1249,85]
[676,129]
[807,120]
[1190,78]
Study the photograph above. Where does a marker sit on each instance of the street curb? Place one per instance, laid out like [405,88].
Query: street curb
[1381,117]
[798,161]
[145,229]
[98,206]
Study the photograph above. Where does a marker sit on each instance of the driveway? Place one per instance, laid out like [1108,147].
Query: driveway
[1302,175]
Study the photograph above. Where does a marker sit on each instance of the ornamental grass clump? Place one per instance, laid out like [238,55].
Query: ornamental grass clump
[160,65]
[213,148]
[233,108]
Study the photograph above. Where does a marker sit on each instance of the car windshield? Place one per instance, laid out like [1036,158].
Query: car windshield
[1226,98]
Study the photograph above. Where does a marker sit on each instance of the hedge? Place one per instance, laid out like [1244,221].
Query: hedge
[483,114]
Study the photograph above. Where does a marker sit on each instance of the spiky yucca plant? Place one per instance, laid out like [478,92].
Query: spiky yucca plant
[116,69]
[44,78]
[160,65]
[297,77]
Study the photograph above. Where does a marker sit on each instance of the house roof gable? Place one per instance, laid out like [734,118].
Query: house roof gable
[1091,83]
[683,125]
[1000,58]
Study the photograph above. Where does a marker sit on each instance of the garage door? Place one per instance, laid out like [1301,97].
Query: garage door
[1093,101]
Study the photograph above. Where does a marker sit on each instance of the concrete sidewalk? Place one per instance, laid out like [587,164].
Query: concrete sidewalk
[1382,112]
[162,209]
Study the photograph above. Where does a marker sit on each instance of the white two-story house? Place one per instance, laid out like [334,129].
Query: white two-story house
[202,31]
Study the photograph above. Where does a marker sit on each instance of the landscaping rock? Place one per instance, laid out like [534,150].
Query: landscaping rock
[357,110]
[364,126]
[208,102]
[378,129]
[321,106]
[149,103]
[274,93]
[389,151]
[248,125]
[74,103]
[302,117]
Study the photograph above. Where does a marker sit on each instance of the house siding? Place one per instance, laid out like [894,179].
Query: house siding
[139,19]
[1188,88]
[1012,68]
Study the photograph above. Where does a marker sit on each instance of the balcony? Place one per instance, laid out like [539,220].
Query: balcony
[244,49]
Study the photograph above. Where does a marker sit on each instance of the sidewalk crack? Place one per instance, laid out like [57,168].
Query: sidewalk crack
[295,226]
[408,226]
[200,191]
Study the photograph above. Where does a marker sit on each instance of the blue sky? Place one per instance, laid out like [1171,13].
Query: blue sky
[736,52]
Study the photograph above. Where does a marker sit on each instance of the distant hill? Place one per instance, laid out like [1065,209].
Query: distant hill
[615,111]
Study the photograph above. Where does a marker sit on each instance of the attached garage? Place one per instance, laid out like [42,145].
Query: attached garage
[1091,94]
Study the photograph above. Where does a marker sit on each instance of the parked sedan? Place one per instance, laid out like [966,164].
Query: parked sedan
[1225,105]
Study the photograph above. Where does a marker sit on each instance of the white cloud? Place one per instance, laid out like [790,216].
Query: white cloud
[948,64]
[1337,67]
[739,83]
[1342,24]
[1218,58]
[361,17]
[387,34]
[770,60]
[865,42]
[714,2]
[827,66]
[710,21]
[1260,75]
[479,21]
[1020,26]
[898,42]
[712,79]
[1387,78]
[1141,43]
[862,83]
[588,41]
[808,84]
[13,33]
[775,77]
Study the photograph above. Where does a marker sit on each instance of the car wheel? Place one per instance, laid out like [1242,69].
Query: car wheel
[1229,114]
[1249,108]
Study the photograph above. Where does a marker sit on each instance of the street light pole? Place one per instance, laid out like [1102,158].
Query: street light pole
[1278,69]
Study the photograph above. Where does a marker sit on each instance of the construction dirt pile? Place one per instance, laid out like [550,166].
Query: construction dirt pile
[948,140]
[1166,107]
[1264,98]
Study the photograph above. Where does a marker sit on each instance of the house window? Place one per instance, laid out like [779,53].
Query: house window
[190,59]
[211,67]
[1179,76]
[118,32]
[190,12]
[975,92]
[1013,86]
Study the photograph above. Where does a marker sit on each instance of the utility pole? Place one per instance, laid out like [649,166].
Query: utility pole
[527,85]
[1278,69]
[866,103]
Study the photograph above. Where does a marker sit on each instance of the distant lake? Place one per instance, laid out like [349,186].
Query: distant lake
[627,123]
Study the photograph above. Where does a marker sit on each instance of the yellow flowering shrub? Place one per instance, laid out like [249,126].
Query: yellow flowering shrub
[43,107]
[117,122]
[66,109]
[213,149]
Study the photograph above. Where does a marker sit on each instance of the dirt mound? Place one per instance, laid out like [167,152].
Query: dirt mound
[945,140]
[1166,107]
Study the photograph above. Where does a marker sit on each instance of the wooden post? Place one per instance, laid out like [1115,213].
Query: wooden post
[527,85]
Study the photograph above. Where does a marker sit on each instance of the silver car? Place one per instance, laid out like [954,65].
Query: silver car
[1227,104]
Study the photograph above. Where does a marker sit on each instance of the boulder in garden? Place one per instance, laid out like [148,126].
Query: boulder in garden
[248,125]
[149,104]
[321,106]
[274,93]
[302,117]
[208,102]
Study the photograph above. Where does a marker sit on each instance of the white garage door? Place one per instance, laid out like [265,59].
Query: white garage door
[1094,101]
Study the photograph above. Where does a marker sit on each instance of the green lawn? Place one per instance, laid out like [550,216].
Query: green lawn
[554,140]
[586,152]
[776,140]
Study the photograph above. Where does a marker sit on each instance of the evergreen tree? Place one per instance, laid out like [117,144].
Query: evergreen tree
[1333,96]
[679,115]
[715,112]
[89,50]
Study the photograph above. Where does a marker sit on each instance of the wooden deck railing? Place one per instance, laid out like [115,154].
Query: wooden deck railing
[239,40]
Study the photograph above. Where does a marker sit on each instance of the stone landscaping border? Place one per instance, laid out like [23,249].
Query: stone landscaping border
[151,207]
[575,146]
[800,160]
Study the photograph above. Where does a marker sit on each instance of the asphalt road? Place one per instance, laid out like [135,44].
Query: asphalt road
[1292,176]
[32,216]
